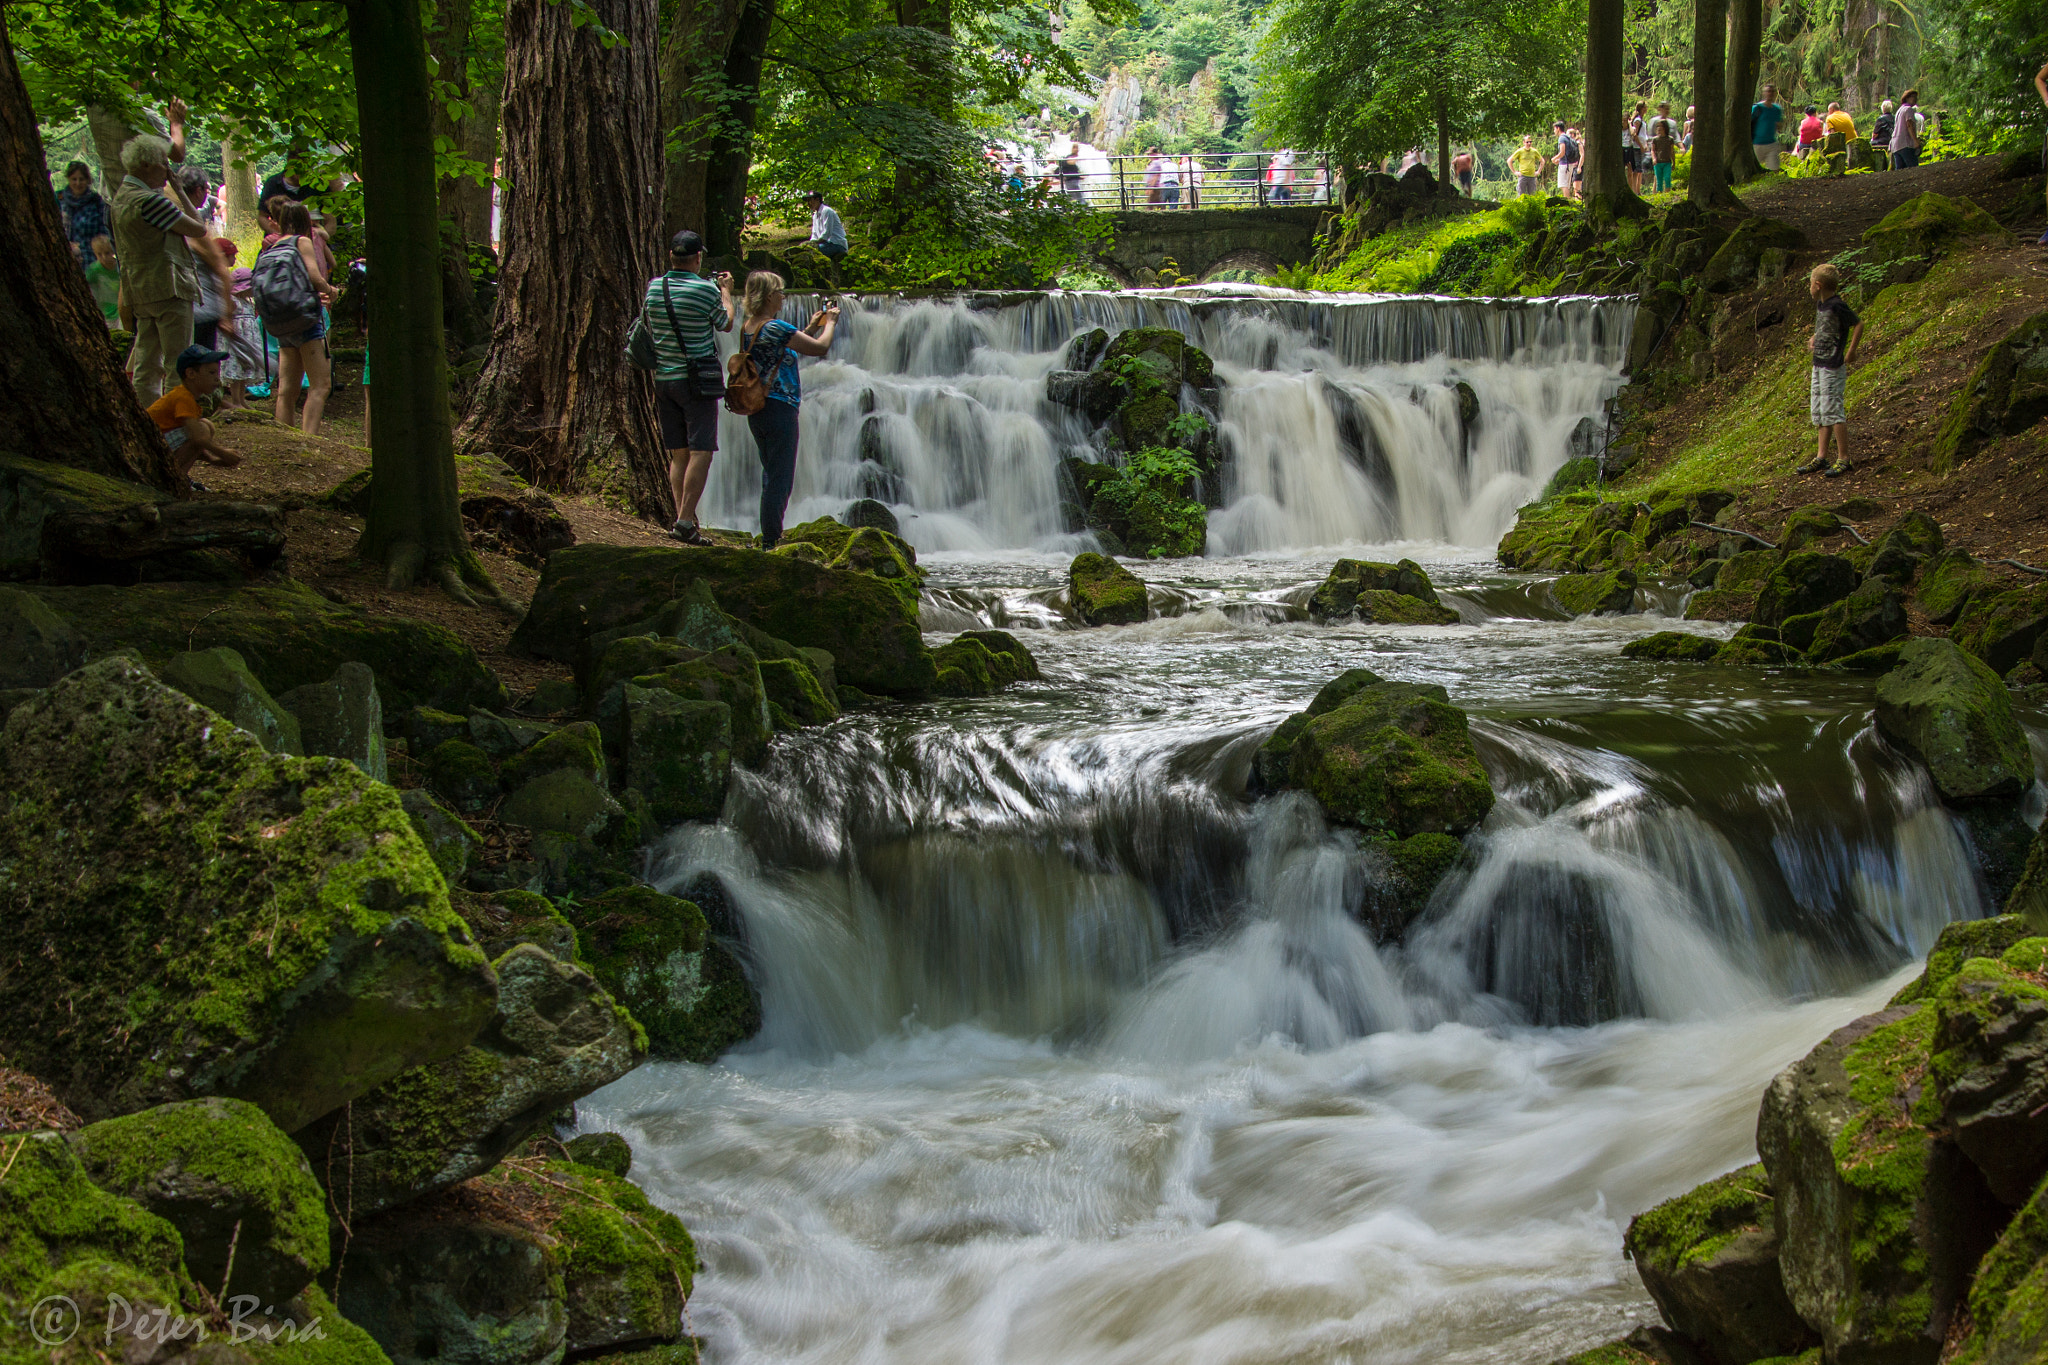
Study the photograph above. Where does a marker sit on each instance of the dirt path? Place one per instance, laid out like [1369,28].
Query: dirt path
[1834,211]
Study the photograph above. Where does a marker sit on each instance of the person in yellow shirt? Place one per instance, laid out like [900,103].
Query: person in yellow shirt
[1838,121]
[178,415]
[1527,164]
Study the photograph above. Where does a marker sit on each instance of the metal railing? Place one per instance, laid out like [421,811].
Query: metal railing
[1215,180]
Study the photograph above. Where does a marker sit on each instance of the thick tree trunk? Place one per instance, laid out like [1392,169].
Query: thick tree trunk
[1745,64]
[1709,183]
[414,527]
[556,399]
[238,195]
[464,202]
[693,57]
[1606,176]
[67,400]
[732,153]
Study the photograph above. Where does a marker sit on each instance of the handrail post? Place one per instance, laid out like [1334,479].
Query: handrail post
[1123,196]
[1259,172]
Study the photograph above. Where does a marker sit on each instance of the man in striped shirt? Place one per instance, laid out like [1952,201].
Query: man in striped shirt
[682,309]
[154,225]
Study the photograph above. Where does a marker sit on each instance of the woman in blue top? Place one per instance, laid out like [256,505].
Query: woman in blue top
[770,340]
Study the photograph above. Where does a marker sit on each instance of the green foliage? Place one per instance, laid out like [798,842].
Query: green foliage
[1984,57]
[1080,277]
[1296,276]
[1167,42]
[1149,493]
[1479,253]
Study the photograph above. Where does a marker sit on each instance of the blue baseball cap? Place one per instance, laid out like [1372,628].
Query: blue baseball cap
[197,355]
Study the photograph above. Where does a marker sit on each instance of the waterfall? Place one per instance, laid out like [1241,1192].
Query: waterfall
[1340,416]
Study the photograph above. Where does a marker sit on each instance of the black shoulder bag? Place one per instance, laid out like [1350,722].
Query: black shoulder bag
[704,374]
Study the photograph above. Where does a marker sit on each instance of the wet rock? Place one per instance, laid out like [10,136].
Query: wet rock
[1105,593]
[1721,604]
[1947,582]
[461,774]
[342,718]
[796,690]
[557,1036]
[1706,574]
[1806,528]
[502,737]
[1990,1066]
[1412,869]
[1803,583]
[576,748]
[218,680]
[1271,763]
[1958,943]
[866,623]
[449,842]
[979,662]
[866,549]
[1337,598]
[1165,353]
[1651,1345]
[2002,628]
[36,646]
[607,1152]
[1881,659]
[1393,757]
[222,1174]
[1543,533]
[866,512]
[655,954]
[1710,1260]
[1759,653]
[1953,714]
[563,802]
[2005,395]
[1399,609]
[1874,614]
[1086,349]
[677,751]
[2009,1296]
[1601,594]
[301,949]
[1672,645]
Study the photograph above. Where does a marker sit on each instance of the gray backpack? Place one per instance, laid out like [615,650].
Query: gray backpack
[285,301]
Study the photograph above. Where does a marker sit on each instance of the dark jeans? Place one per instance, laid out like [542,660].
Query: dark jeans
[1909,156]
[831,250]
[774,428]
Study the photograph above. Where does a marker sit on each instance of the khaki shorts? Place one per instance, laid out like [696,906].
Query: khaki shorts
[1768,153]
[1824,397]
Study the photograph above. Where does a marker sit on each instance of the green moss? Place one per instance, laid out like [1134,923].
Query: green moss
[337,1341]
[2012,1279]
[1542,536]
[60,1233]
[501,919]
[1959,942]
[731,675]
[1105,593]
[982,661]
[791,685]
[1805,527]
[576,748]
[1596,594]
[1672,645]
[1881,1154]
[1399,609]
[461,774]
[1698,1224]
[1397,758]
[865,549]
[607,1152]
[1802,583]
[1758,654]
[1573,476]
[655,955]
[2001,628]
[1721,604]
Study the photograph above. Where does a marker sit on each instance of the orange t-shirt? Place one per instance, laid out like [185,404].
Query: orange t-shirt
[170,411]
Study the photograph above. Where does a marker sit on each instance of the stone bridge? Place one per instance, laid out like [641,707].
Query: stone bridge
[1203,242]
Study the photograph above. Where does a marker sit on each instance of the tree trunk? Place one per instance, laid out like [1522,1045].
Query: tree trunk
[1606,175]
[464,202]
[414,527]
[1745,66]
[693,100]
[238,196]
[725,174]
[583,154]
[67,400]
[1444,184]
[1709,184]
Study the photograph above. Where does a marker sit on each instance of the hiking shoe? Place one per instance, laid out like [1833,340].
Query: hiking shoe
[2042,240]
[687,532]
[1839,467]
[197,487]
[1812,466]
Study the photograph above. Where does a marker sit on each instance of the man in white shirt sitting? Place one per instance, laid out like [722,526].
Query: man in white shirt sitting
[828,234]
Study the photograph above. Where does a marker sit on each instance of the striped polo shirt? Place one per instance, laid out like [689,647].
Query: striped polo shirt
[699,311]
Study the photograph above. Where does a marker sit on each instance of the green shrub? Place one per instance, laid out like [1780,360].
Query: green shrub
[1149,494]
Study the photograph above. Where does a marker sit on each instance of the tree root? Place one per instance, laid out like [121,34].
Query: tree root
[456,572]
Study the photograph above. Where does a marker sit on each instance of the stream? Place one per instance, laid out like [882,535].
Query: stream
[1073,1054]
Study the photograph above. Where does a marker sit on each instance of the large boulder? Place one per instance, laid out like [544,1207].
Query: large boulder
[2002,628]
[627,1265]
[288,635]
[241,1196]
[36,646]
[655,953]
[1990,1066]
[860,549]
[1675,646]
[1953,714]
[1958,943]
[1710,1260]
[1906,242]
[220,681]
[675,750]
[867,626]
[1874,614]
[979,662]
[2029,898]
[1393,758]
[1911,541]
[2009,1296]
[2006,394]
[1802,583]
[1351,581]
[1734,265]
[1596,594]
[210,919]
[1105,593]
[342,718]
[557,1037]
[1948,580]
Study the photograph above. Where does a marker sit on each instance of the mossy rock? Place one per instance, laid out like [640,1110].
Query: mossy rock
[1803,583]
[235,922]
[656,954]
[576,748]
[2005,395]
[1947,583]
[1675,646]
[1734,263]
[1759,653]
[557,1036]
[36,646]
[1105,593]
[1909,239]
[1710,1260]
[1910,542]
[1879,659]
[1541,537]
[501,920]
[1596,594]
[630,656]
[981,662]
[607,1152]
[1958,943]
[1721,604]
[792,685]
[1868,618]
[1807,527]
[462,775]
[1572,476]
[2009,1294]
[1413,867]
[1337,598]
[1749,569]
[2029,898]
[868,627]
[1271,763]
[1952,713]
[1399,609]
[342,718]
[2002,628]
[222,1174]
[675,750]
[566,803]
[219,680]
[1990,1067]
[1165,352]
[450,842]
[1394,758]
[288,634]
[862,549]
[31,490]
[731,675]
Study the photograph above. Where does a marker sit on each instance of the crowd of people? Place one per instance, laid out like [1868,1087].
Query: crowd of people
[199,324]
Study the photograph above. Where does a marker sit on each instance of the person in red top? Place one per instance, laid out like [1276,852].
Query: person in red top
[1811,130]
[190,437]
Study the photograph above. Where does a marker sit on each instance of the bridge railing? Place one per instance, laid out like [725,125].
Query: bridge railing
[1214,180]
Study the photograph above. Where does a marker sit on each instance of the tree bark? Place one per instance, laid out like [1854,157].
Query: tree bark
[464,202]
[1606,176]
[1745,63]
[67,400]
[238,195]
[1444,184]
[693,57]
[1709,183]
[725,174]
[556,399]
[414,527]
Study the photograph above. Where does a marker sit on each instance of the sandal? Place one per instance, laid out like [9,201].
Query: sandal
[689,534]
[1837,469]
[1812,466]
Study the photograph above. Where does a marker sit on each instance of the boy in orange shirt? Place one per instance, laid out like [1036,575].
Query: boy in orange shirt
[177,414]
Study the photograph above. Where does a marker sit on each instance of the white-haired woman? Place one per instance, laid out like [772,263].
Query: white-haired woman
[163,247]
[769,340]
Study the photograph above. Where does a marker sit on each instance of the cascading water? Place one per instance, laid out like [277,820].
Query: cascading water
[1341,422]
[1073,1054]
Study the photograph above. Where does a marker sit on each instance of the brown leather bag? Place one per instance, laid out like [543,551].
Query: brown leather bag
[746,389]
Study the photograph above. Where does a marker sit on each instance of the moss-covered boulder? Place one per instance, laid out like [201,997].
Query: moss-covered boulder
[1910,542]
[795,690]
[2002,628]
[865,623]
[675,750]
[1721,604]
[1757,652]
[1802,583]
[1676,646]
[1806,528]
[1104,592]
[565,803]
[1873,615]
[1393,758]
[1164,352]
[979,662]
[1376,607]
[1748,570]
[2029,897]
[1958,943]
[731,675]
[2006,394]
[861,549]
[557,1036]
[288,634]
[1909,239]
[576,748]
[1572,476]
[1337,598]
[36,646]
[502,920]
[1948,581]
[207,918]
[1843,1136]
[1734,263]
[1408,872]
[450,842]
[222,1174]
[31,490]
[2009,1295]
[342,718]
[656,954]
[1990,1066]
[461,774]
[1710,1260]
[1541,538]
[220,681]
[1272,761]
[1953,714]
[1596,594]
[607,1152]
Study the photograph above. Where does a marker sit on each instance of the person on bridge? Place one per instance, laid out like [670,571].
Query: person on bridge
[1527,164]
[1155,178]
[1280,176]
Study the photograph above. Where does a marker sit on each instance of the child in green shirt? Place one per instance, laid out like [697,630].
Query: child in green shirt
[104,277]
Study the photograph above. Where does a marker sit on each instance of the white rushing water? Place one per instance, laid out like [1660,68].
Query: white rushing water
[1340,419]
